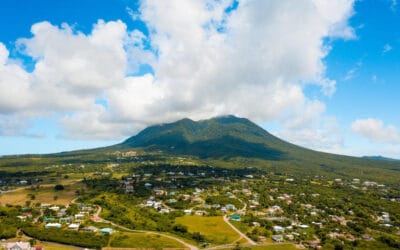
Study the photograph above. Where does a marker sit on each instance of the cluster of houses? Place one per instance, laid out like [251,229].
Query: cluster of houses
[20,245]
[62,220]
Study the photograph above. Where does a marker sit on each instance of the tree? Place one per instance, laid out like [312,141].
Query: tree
[198,237]
[180,228]
[58,187]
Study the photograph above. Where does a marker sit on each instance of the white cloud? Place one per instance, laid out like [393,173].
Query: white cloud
[386,48]
[133,14]
[12,125]
[393,5]
[353,71]
[376,131]
[251,62]
[313,129]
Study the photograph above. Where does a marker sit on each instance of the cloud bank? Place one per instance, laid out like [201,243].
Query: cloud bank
[207,58]
[376,131]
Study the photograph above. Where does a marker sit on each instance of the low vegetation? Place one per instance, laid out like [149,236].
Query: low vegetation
[213,229]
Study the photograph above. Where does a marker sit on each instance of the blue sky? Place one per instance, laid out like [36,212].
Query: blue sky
[83,74]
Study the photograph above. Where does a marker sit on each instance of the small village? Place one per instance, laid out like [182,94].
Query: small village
[260,208]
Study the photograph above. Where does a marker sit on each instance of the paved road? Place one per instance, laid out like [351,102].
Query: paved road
[250,241]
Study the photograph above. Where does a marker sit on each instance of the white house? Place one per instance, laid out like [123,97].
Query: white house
[278,229]
[277,238]
[53,225]
[18,245]
[73,226]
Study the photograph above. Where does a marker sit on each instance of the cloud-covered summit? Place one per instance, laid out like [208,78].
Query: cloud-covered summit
[248,58]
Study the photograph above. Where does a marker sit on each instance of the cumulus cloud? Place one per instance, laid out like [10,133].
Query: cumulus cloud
[376,131]
[386,48]
[253,61]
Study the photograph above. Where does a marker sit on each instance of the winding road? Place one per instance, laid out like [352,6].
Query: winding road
[97,218]
[242,235]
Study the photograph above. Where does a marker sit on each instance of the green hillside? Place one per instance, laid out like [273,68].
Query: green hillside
[222,137]
[231,141]
[227,141]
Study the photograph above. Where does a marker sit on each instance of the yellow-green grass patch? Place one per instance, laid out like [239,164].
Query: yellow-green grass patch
[55,246]
[43,194]
[142,240]
[213,228]
[275,247]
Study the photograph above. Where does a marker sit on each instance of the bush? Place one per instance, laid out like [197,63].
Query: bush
[58,187]
[180,228]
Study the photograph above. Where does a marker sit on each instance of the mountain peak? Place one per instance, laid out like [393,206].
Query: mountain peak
[225,119]
[222,136]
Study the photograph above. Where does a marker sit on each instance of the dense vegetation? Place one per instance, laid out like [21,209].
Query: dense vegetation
[8,222]
[67,237]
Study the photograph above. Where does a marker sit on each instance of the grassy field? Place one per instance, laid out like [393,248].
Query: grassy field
[142,240]
[271,247]
[55,246]
[44,194]
[276,247]
[215,230]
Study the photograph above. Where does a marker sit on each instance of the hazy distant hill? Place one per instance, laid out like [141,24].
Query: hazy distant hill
[380,158]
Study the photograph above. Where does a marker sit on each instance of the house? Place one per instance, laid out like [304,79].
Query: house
[275,210]
[149,203]
[367,237]
[385,217]
[278,229]
[62,213]
[106,231]
[164,211]
[289,236]
[172,201]
[79,216]
[187,211]
[54,208]
[48,219]
[216,206]
[129,188]
[230,207]
[18,245]
[86,208]
[52,225]
[73,226]
[160,192]
[157,205]
[65,219]
[277,238]
[200,212]
[235,217]
[23,182]
[22,217]
[90,229]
